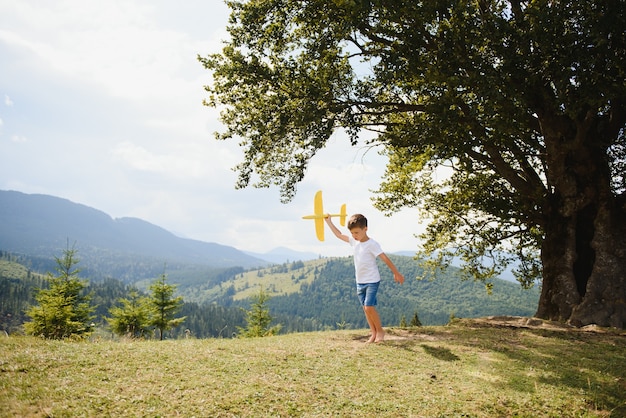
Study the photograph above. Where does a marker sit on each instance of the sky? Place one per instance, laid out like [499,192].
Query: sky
[101,104]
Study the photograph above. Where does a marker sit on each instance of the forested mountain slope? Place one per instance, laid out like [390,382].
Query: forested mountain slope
[305,296]
[322,292]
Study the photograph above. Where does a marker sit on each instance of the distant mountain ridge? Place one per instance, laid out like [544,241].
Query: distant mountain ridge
[43,226]
[281,255]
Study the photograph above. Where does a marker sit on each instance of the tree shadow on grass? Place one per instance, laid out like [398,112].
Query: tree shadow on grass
[589,362]
[440,353]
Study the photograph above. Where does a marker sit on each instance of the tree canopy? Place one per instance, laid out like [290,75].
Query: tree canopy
[503,121]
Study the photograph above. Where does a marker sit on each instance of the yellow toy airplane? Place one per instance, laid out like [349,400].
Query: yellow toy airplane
[319,215]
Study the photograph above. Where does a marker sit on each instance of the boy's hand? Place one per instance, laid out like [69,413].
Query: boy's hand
[399,278]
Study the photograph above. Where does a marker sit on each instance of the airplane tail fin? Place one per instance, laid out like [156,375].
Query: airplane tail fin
[342,215]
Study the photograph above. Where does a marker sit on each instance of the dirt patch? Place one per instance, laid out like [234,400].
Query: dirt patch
[534,323]
[409,334]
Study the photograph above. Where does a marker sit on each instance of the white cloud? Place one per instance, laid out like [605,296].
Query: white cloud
[18,139]
[109,114]
[141,159]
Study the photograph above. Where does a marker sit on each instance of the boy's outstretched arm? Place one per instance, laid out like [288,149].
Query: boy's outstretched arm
[335,230]
[397,276]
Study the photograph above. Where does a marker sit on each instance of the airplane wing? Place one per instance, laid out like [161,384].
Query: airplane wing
[318,207]
[342,215]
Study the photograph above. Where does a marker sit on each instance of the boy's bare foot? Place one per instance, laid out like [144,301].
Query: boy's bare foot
[372,339]
[380,337]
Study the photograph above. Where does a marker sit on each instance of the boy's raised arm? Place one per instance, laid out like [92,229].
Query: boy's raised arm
[335,230]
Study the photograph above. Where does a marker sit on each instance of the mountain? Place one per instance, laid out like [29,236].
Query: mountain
[43,226]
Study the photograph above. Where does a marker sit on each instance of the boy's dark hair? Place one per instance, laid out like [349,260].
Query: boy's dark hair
[357,221]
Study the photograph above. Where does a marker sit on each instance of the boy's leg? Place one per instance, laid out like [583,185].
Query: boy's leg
[369,308]
[371,324]
[378,334]
[361,291]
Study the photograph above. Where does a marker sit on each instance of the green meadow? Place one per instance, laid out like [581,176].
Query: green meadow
[470,368]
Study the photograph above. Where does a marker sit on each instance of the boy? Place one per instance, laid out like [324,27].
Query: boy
[366,250]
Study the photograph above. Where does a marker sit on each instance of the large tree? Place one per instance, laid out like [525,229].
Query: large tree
[504,121]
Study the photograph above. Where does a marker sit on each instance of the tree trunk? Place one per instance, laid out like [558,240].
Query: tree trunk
[584,278]
[604,300]
[584,247]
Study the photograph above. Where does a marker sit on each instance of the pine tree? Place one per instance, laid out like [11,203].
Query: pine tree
[164,306]
[63,311]
[133,317]
[415,321]
[258,318]
[403,322]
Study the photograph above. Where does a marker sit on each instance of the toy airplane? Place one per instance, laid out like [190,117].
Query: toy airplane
[319,215]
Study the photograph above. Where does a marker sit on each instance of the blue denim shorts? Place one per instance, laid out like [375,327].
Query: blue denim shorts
[367,293]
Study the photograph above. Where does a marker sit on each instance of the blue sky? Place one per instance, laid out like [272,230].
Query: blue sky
[101,104]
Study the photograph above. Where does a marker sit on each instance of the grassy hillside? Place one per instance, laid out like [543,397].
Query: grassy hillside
[277,280]
[322,290]
[469,369]
[306,296]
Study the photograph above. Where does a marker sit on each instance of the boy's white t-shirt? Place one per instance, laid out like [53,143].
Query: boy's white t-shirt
[365,254]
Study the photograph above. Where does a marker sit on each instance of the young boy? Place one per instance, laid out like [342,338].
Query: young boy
[366,250]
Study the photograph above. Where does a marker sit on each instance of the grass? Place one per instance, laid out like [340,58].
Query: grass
[468,369]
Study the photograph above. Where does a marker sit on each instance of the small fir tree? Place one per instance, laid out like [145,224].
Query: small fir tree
[415,321]
[132,318]
[62,310]
[258,318]
[164,306]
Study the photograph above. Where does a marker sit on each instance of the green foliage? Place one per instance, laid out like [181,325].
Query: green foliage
[63,310]
[17,284]
[258,318]
[415,321]
[132,318]
[403,323]
[164,306]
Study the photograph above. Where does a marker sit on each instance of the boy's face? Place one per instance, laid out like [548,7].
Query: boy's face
[359,234]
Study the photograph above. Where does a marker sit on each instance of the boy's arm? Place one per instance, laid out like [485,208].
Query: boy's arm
[336,231]
[397,276]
